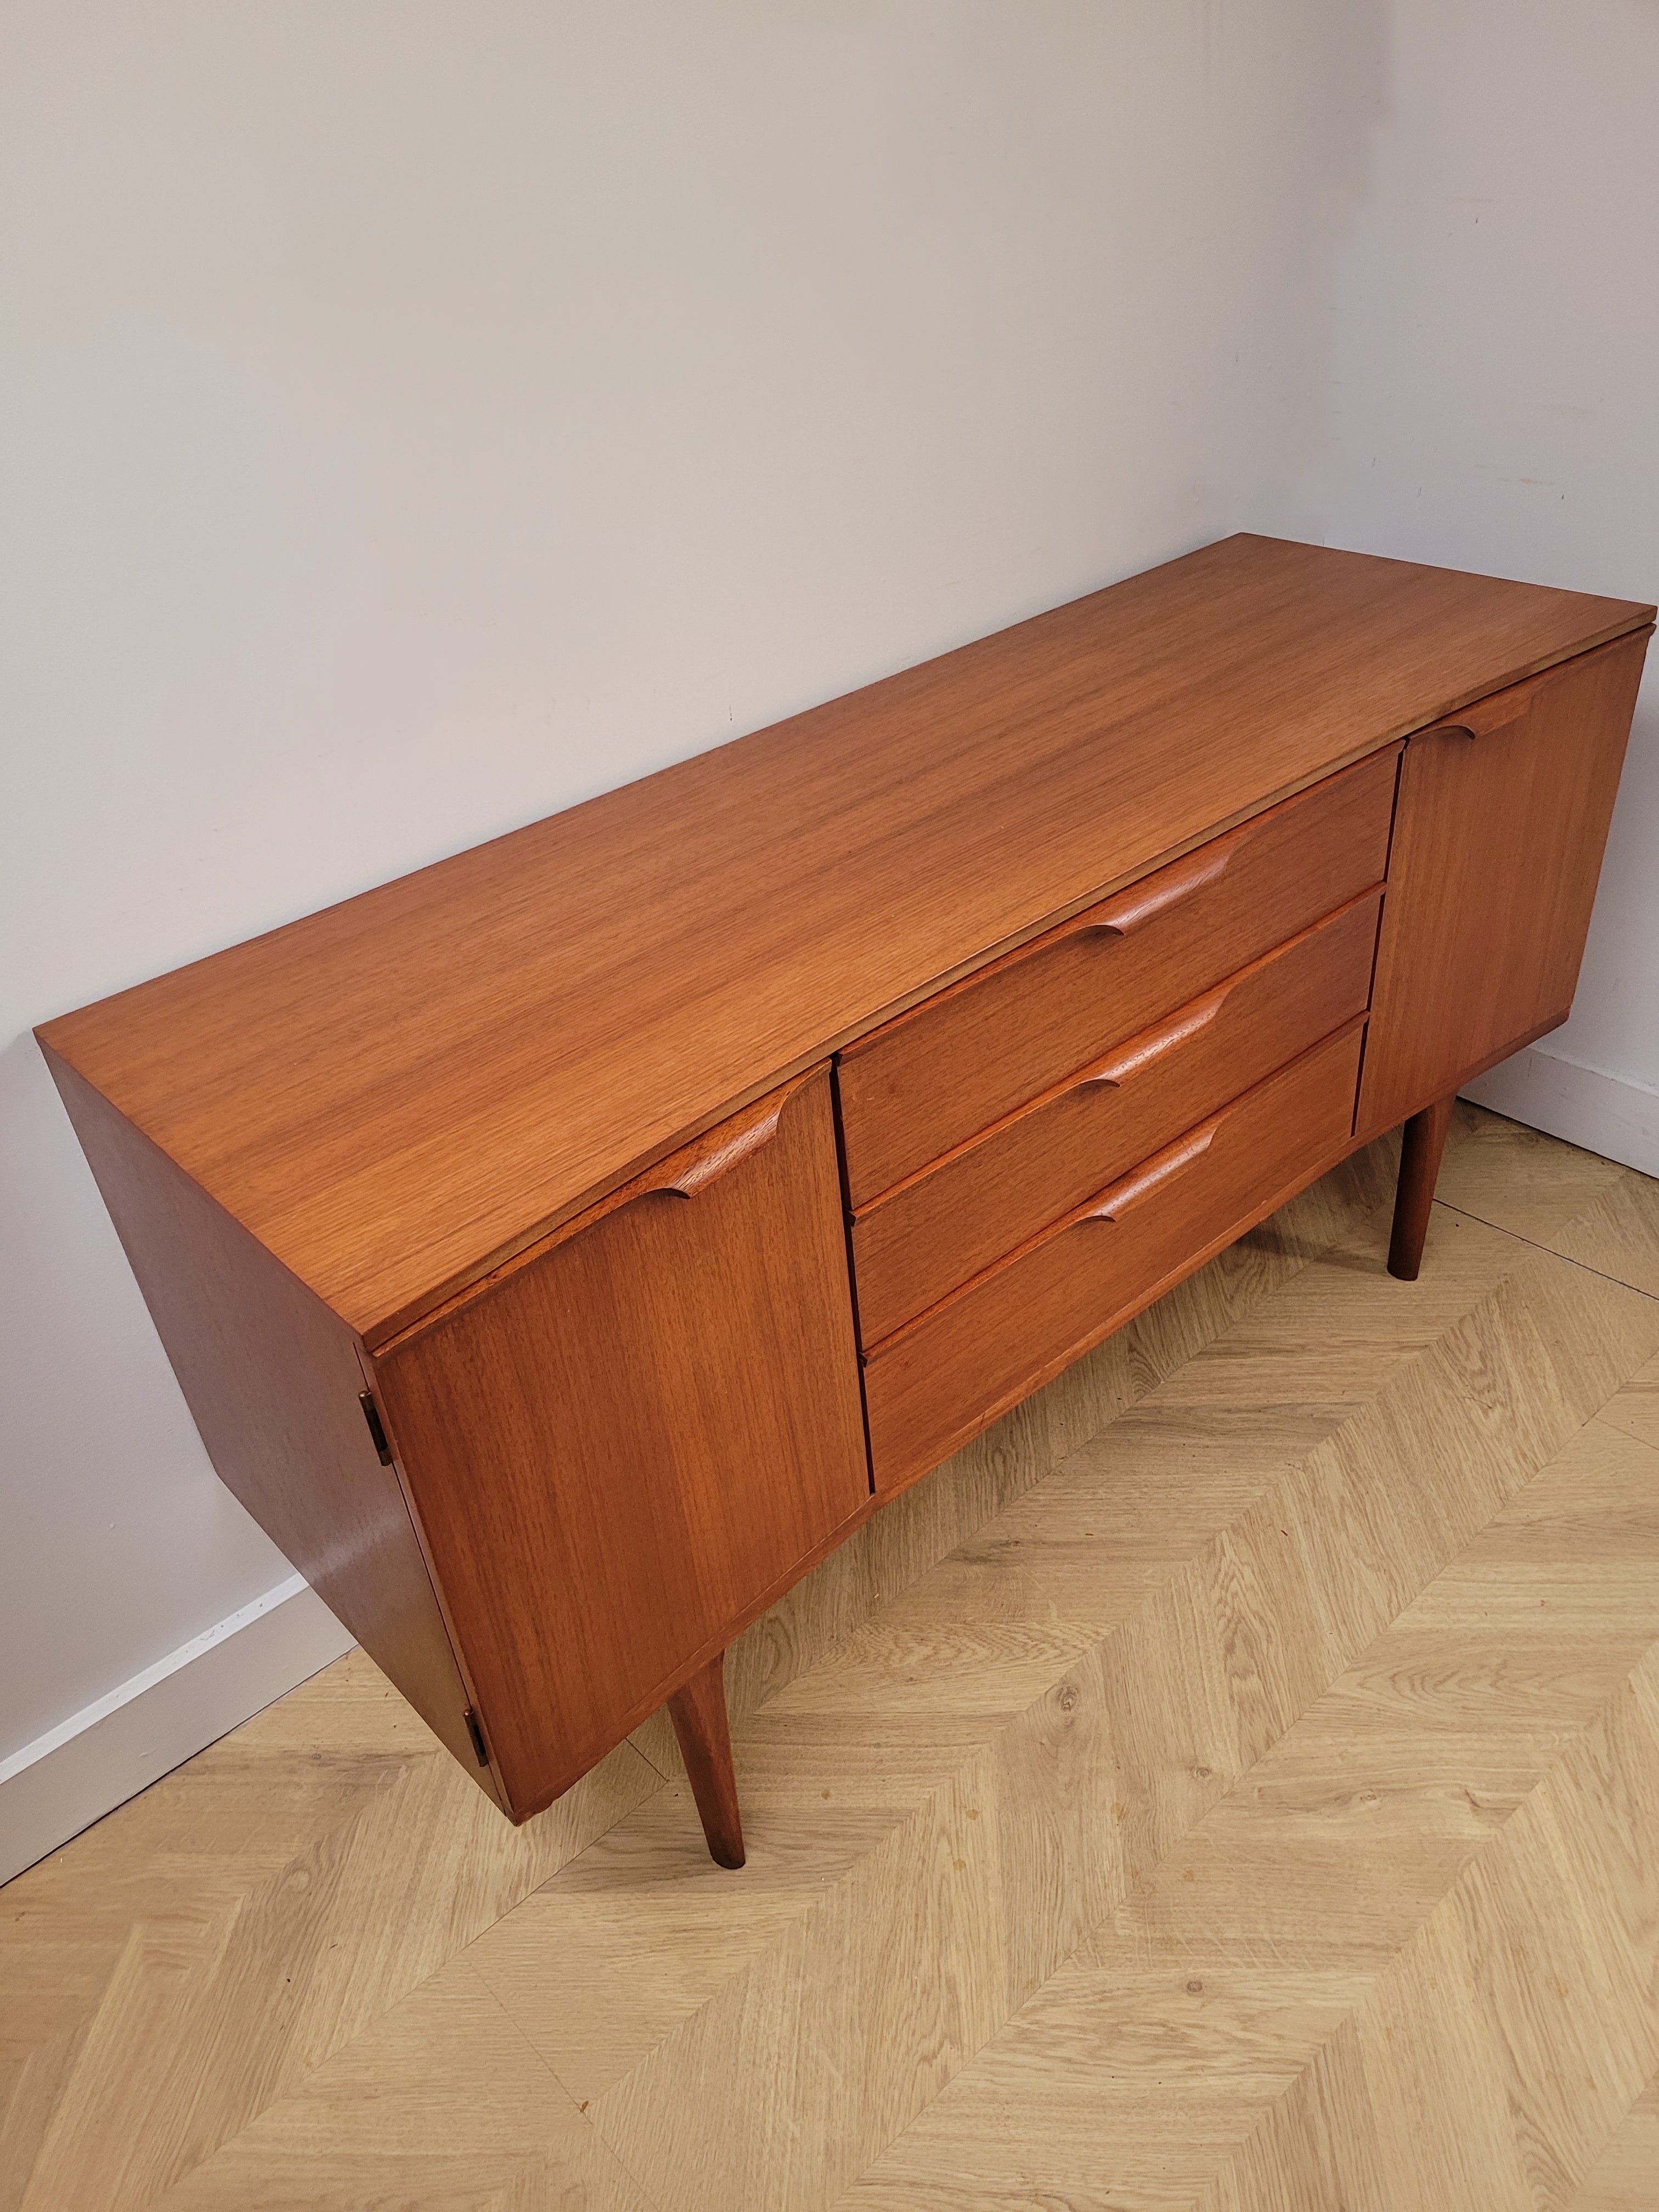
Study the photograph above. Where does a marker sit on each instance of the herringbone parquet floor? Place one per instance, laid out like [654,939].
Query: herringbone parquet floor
[1232,1783]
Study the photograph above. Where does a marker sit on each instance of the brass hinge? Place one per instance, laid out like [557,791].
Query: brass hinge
[477,1735]
[372,1415]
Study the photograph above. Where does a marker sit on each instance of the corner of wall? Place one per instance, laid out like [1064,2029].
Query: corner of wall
[1597,1112]
[109,1751]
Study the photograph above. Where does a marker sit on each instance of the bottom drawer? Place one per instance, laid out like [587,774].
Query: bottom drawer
[936,1383]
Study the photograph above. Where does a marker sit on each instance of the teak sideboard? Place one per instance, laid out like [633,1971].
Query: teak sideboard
[564,1247]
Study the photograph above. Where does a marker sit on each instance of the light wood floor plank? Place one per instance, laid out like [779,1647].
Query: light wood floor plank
[1625,2178]
[1591,1210]
[1635,1410]
[1411,1960]
[1618,1237]
[1518,1178]
[225,1970]
[441,2104]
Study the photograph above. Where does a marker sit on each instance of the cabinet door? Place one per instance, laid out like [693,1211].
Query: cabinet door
[1499,825]
[625,1448]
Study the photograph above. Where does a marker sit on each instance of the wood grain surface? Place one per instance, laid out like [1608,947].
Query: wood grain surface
[620,1451]
[1625,2178]
[395,1095]
[1498,841]
[1229,1784]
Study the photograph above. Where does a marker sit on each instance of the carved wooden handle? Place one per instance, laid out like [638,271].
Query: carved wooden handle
[1485,717]
[1144,902]
[1135,1189]
[1146,1050]
[719,1150]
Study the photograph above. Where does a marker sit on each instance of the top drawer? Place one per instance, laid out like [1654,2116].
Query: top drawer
[957,1062]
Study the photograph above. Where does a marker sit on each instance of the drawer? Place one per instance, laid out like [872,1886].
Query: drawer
[920,1242]
[936,1383]
[921,1085]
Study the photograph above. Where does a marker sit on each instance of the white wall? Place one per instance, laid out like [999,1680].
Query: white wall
[421,415]
[1495,332]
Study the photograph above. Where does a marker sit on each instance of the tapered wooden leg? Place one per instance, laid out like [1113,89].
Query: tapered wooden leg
[1419,1163]
[698,1712]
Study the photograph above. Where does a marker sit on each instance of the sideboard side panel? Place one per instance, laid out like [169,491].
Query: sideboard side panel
[273,1381]
[622,1448]
[1499,833]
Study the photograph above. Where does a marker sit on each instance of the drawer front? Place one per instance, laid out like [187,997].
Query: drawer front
[914,1247]
[939,1382]
[950,1068]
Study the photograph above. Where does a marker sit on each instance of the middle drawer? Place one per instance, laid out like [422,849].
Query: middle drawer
[918,1242]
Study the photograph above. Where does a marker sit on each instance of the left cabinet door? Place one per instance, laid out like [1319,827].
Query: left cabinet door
[626,1445]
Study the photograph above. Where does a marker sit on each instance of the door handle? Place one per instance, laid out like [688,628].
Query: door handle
[720,1149]
[1145,1182]
[692,1168]
[1484,718]
[1145,1051]
[1145,902]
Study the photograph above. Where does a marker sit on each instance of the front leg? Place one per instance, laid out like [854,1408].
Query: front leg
[698,1712]
[1423,1142]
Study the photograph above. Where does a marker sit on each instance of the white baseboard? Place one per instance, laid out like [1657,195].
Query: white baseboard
[1597,1112]
[104,1755]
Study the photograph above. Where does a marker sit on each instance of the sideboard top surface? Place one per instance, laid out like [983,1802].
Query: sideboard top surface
[398,1093]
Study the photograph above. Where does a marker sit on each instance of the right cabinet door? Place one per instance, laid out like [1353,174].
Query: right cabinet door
[1499,824]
